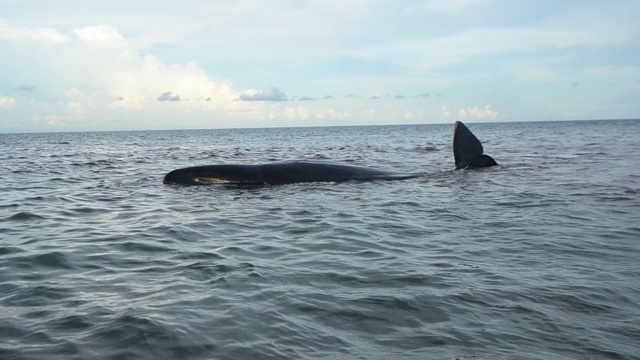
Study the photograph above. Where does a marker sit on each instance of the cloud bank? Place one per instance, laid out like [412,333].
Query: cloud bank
[474,113]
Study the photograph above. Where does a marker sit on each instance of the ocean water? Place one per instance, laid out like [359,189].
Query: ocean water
[538,258]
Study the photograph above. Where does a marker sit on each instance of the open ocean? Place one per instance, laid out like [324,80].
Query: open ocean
[538,258]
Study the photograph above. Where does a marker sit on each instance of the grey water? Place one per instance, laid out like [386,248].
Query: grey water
[537,258]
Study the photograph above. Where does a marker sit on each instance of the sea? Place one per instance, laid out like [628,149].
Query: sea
[537,258]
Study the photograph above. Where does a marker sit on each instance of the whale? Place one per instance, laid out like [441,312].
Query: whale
[467,151]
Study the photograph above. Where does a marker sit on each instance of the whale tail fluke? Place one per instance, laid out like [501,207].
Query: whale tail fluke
[467,149]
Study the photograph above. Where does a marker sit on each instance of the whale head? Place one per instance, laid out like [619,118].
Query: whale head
[215,174]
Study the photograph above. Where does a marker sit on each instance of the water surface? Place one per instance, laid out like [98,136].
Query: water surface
[534,259]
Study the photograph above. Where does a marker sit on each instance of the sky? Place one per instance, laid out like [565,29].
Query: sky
[71,65]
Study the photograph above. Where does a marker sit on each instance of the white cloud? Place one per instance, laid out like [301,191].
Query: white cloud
[411,115]
[114,80]
[296,113]
[305,116]
[54,120]
[446,113]
[39,34]
[119,70]
[6,101]
[331,114]
[478,113]
[370,114]
[117,77]
[98,33]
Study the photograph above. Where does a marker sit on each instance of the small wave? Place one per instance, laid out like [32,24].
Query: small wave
[131,336]
[426,149]
[142,247]
[22,171]
[93,163]
[87,210]
[320,157]
[8,250]
[35,296]
[53,259]
[9,206]
[199,255]
[24,216]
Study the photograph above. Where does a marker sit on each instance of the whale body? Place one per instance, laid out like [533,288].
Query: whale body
[467,150]
[278,173]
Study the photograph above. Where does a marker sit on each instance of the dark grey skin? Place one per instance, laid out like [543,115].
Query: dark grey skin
[467,150]
[277,173]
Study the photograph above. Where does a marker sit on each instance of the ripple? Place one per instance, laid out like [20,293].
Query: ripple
[24,216]
[143,247]
[39,295]
[50,260]
[8,250]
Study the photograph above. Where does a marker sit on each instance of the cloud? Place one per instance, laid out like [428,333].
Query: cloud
[377,95]
[478,113]
[296,113]
[268,94]
[166,96]
[307,98]
[331,114]
[26,88]
[328,97]
[41,34]
[98,33]
[411,116]
[471,113]
[301,115]
[6,101]
[121,82]
[446,113]
[400,97]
